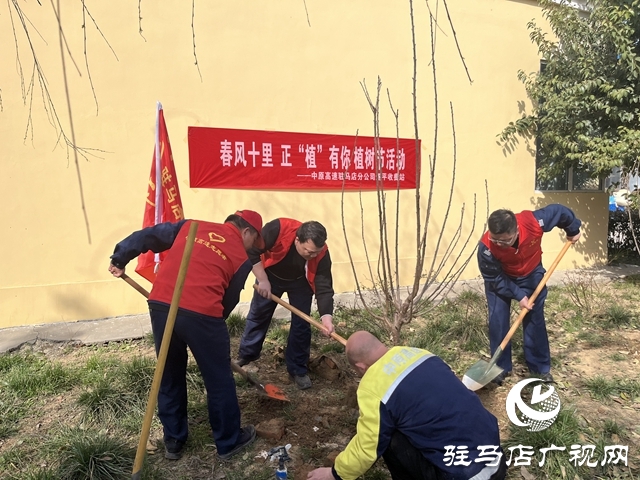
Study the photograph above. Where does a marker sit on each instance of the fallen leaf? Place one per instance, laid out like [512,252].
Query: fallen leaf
[525,474]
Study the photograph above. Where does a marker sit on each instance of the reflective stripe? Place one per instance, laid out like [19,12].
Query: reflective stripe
[486,472]
[402,376]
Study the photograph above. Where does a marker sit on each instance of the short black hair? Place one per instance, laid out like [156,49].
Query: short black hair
[240,222]
[313,231]
[502,221]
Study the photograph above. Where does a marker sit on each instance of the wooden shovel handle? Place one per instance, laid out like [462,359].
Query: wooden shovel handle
[135,284]
[234,366]
[164,349]
[304,316]
[534,295]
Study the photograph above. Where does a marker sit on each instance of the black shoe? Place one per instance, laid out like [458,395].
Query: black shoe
[247,437]
[243,361]
[544,377]
[302,381]
[499,380]
[173,449]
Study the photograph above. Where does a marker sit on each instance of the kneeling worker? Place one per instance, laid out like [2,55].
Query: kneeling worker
[418,416]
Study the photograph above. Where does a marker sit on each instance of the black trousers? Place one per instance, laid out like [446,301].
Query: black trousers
[405,462]
[208,340]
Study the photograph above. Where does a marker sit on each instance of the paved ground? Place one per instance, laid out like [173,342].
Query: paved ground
[137,326]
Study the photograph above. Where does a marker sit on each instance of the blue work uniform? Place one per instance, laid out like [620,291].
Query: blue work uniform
[515,275]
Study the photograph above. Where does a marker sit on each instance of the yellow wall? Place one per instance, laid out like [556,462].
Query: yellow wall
[263,67]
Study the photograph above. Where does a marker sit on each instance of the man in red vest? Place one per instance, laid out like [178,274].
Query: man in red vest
[510,260]
[216,275]
[295,259]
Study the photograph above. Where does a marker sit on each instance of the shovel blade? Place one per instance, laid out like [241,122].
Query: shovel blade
[479,374]
[275,392]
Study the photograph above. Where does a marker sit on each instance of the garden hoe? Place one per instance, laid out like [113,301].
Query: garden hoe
[267,389]
[305,317]
[482,372]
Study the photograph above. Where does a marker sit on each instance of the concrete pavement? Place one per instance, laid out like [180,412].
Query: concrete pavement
[137,326]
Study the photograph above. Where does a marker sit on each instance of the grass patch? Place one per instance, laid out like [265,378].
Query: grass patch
[611,427]
[617,316]
[602,388]
[236,324]
[574,323]
[12,410]
[618,357]
[432,336]
[333,347]
[33,376]
[564,431]
[592,339]
[92,455]
[137,375]
[278,333]
[195,381]
[102,402]
[348,320]
[122,390]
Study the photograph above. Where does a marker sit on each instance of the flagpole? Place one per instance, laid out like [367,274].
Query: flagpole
[159,203]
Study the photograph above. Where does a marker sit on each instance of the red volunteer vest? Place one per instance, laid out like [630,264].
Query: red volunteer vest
[284,242]
[522,261]
[217,254]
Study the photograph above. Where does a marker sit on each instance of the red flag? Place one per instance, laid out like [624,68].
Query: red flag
[163,203]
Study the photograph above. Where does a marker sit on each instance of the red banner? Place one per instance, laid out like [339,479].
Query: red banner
[163,204]
[256,159]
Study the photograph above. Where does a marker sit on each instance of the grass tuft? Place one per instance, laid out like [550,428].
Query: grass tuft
[278,332]
[611,427]
[92,455]
[602,388]
[236,324]
[136,375]
[618,315]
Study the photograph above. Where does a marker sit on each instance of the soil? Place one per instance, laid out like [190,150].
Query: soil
[319,422]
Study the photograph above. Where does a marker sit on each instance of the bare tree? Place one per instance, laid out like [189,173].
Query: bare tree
[436,268]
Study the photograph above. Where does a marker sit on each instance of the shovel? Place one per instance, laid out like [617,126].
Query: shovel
[482,372]
[136,474]
[304,316]
[268,389]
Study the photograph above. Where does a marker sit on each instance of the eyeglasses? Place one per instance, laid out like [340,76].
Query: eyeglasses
[506,243]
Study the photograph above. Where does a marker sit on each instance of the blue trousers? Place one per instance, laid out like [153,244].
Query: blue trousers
[536,341]
[259,319]
[208,340]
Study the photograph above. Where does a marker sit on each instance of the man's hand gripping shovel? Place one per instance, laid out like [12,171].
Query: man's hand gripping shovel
[267,389]
[482,372]
[305,317]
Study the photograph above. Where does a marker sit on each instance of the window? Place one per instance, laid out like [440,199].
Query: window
[572,179]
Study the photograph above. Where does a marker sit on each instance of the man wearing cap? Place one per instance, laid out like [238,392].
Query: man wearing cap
[294,259]
[217,273]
